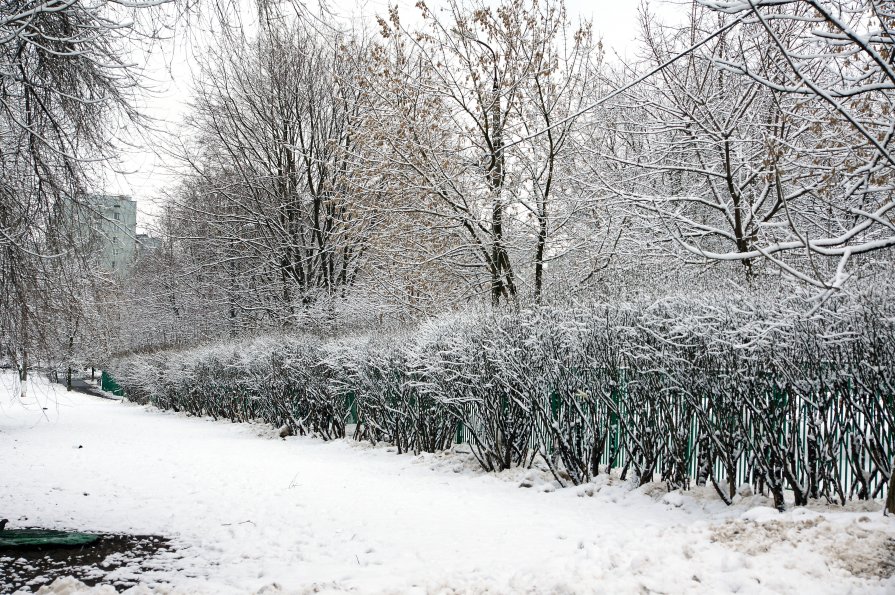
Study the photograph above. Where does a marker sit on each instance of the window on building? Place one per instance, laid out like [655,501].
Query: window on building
[117,216]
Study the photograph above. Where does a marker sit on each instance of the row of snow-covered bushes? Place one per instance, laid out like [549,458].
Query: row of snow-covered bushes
[682,388]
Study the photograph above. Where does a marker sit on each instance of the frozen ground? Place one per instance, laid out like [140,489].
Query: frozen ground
[248,513]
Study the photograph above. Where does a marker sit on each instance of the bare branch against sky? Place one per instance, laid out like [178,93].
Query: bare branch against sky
[169,67]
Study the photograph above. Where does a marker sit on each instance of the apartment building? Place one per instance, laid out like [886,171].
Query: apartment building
[115,221]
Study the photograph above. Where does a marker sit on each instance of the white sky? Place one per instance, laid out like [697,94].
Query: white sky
[145,173]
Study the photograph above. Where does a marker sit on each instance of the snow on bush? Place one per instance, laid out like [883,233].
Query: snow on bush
[710,389]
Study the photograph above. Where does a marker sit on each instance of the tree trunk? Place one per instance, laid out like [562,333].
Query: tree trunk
[539,253]
[71,351]
[890,501]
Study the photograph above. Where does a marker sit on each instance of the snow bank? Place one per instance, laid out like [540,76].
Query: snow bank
[250,513]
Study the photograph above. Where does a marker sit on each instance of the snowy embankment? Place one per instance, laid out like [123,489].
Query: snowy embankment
[248,512]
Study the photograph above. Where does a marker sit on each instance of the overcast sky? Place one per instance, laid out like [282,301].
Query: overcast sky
[169,67]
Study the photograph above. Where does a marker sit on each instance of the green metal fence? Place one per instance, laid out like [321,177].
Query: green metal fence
[108,384]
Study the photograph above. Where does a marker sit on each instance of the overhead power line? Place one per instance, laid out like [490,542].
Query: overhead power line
[636,81]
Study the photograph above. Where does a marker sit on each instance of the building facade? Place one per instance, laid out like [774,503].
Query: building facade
[147,244]
[115,223]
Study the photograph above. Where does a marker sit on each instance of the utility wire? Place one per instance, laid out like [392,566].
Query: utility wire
[636,81]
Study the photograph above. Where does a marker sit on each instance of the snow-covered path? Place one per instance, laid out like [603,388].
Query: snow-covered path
[246,510]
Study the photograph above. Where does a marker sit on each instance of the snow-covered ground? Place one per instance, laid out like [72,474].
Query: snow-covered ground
[248,512]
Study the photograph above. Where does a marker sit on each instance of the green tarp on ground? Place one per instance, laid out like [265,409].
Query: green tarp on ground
[28,538]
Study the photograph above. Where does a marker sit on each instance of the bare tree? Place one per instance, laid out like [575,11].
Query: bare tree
[465,91]
[273,208]
[819,80]
[65,88]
